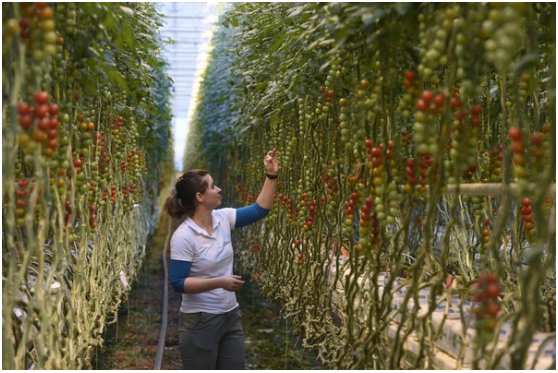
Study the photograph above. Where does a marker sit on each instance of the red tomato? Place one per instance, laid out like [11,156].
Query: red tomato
[515,134]
[492,290]
[476,110]
[493,309]
[41,98]
[427,96]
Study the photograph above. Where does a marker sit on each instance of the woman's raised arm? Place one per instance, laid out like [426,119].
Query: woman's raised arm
[265,199]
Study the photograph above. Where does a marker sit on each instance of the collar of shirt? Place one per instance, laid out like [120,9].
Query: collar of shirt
[200,230]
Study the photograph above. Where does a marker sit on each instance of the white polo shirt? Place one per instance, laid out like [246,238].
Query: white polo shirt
[211,256]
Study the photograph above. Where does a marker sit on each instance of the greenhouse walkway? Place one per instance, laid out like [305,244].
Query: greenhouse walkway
[131,343]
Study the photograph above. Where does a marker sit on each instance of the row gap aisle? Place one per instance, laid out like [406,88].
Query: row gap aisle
[131,343]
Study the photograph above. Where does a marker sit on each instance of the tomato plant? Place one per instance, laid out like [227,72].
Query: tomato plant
[85,112]
[415,131]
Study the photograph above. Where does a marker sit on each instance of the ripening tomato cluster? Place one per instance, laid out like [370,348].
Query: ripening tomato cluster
[475,111]
[37,30]
[289,203]
[68,214]
[423,166]
[112,194]
[350,208]
[93,216]
[425,133]
[495,163]
[22,201]
[527,217]
[334,72]
[516,136]
[464,146]
[410,174]
[244,194]
[406,141]
[485,235]
[125,190]
[42,121]
[309,220]
[477,205]
[463,143]
[103,160]
[412,91]
[368,221]
[523,87]
[384,209]
[540,149]
[256,275]
[298,247]
[332,189]
[485,294]
[429,103]
[78,163]
[300,258]
[406,107]
[255,246]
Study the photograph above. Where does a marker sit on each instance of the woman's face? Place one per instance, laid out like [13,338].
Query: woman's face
[212,195]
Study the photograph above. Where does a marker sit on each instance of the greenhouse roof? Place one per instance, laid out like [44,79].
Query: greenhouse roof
[190,26]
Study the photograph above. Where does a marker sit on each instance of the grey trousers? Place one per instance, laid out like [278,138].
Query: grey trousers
[209,341]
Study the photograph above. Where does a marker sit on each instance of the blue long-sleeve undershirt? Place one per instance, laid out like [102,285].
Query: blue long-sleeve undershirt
[180,269]
[249,214]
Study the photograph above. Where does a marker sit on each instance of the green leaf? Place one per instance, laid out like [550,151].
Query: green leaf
[109,21]
[142,128]
[116,77]
[296,11]
[129,12]
[278,43]
[128,35]
[91,89]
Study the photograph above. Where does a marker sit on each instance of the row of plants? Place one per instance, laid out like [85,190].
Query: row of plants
[417,147]
[86,148]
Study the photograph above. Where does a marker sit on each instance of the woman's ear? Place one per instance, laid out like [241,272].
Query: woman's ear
[199,197]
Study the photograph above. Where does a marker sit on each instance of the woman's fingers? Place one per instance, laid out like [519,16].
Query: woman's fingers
[270,159]
[238,282]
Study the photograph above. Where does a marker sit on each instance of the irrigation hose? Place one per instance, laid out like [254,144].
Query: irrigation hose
[164,318]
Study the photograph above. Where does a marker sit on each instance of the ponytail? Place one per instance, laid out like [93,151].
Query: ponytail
[174,207]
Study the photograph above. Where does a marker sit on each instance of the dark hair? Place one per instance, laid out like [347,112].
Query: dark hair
[182,202]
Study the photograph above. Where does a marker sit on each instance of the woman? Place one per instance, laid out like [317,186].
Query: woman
[210,330]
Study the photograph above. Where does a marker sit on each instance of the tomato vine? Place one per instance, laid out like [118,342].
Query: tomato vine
[417,146]
[86,149]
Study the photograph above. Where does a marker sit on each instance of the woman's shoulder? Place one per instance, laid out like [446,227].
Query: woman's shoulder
[181,232]
[226,213]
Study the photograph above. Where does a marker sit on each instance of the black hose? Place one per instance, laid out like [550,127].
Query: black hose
[163,332]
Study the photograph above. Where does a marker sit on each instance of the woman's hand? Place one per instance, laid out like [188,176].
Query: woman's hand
[231,283]
[271,163]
